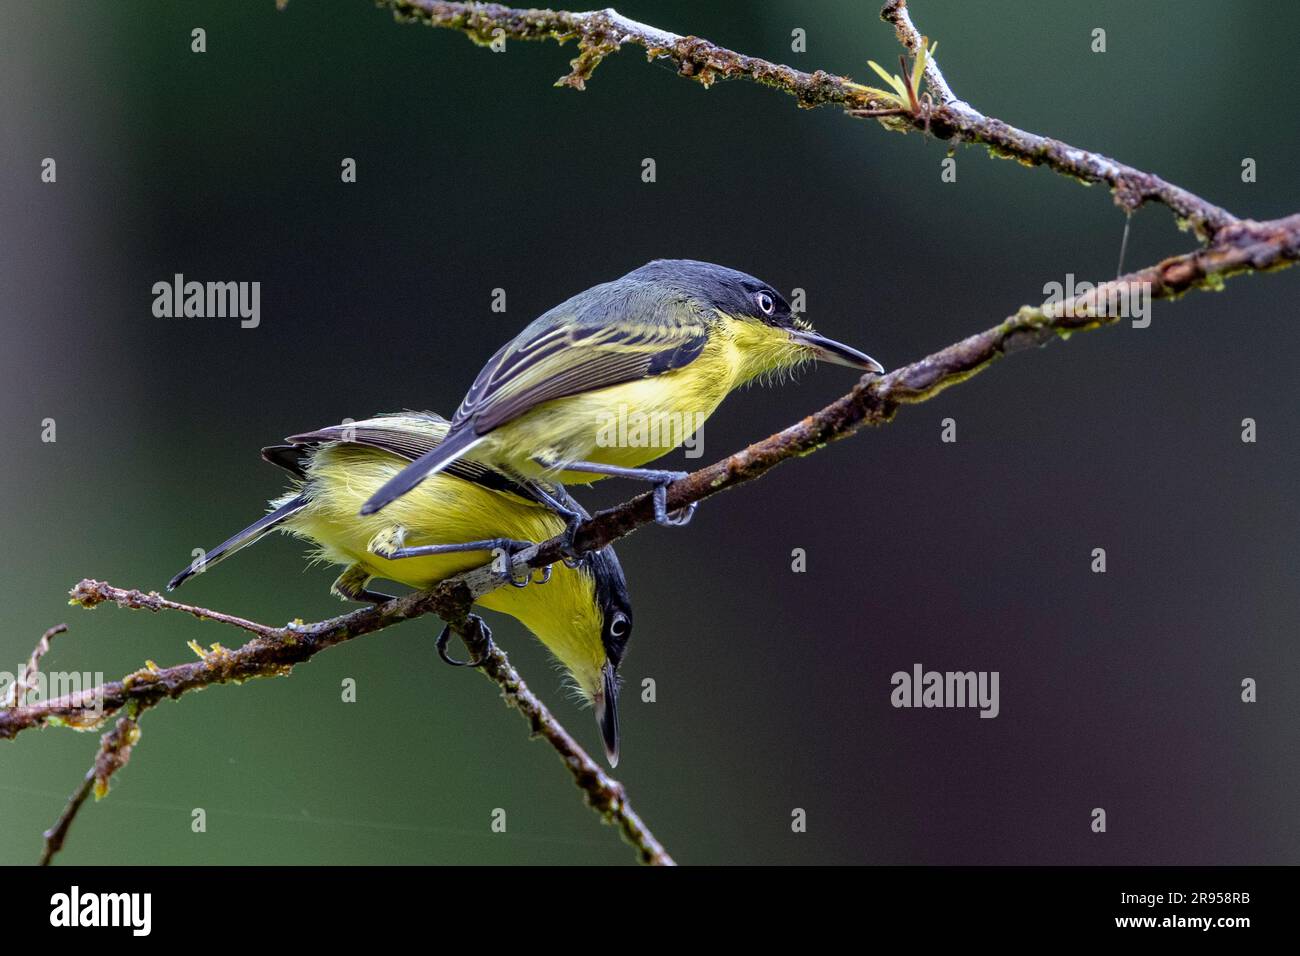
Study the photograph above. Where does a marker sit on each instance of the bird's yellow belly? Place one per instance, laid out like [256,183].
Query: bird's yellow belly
[441,510]
[444,509]
[625,425]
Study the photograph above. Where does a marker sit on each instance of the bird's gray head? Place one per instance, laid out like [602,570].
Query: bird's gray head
[734,293]
[744,298]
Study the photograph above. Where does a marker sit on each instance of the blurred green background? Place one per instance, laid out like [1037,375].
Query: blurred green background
[1118,690]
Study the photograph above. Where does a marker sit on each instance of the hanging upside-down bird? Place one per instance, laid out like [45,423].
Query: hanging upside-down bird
[450,524]
[665,343]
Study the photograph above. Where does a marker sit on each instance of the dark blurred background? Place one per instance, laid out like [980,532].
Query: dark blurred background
[1118,690]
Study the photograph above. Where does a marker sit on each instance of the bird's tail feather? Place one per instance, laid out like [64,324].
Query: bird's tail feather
[456,445]
[243,539]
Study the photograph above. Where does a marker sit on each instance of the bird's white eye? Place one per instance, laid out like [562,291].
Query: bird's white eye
[766,304]
[618,626]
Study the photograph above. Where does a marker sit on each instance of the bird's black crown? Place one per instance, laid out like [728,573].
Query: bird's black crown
[736,293]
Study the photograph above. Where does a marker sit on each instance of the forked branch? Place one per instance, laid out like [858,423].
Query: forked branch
[1232,247]
[272,652]
[602,32]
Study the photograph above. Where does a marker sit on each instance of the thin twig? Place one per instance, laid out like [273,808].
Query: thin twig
[273,652]
[895,12]
[602,32]
[114,752]
[56,834]
[1132,187]
[27,678]
[604,795]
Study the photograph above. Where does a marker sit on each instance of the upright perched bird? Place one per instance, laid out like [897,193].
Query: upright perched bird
[665,343]
[581,614]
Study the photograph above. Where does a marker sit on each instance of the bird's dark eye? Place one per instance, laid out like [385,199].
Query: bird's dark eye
[766,304]
[618,626]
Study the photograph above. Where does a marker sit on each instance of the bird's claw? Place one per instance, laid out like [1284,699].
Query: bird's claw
[675,519]
[510,549]
[445,636]
[530,575]
[387,543]
[570,555]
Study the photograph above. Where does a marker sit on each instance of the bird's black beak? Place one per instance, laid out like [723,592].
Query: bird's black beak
[606,706]
[828,350]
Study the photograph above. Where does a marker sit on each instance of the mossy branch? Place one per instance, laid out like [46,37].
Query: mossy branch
[940,113]
[272,652]
[1232,247]
[1245,246]
[114,751]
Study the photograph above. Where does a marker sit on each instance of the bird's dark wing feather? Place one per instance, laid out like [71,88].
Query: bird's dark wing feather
[409,436]
[570,359]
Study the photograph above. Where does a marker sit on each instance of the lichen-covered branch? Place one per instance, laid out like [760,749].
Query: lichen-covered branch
[604,795]
[1242,247]
[1245,246]
[957,120]
[602,32]
[272,652]
[1232,247]
[114,752]
[24,681]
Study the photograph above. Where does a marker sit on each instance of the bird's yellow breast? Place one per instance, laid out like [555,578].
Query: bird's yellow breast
[444,509]
[636,422]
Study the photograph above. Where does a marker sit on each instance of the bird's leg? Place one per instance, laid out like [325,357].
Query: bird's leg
[351,586]
[558,500]
[477,624]
[660,479]
[391,546]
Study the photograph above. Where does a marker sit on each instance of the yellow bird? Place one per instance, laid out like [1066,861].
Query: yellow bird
[459,520]
[662,346]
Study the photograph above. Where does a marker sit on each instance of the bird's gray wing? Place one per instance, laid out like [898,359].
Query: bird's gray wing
[408,435]
[567,359]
